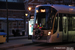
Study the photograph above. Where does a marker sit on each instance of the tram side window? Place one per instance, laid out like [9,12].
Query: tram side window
[71,22]
[60,22]
[55,24]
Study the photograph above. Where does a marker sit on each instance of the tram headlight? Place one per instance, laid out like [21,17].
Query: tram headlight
[49,33]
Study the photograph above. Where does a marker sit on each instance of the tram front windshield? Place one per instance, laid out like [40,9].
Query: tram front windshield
[44,18]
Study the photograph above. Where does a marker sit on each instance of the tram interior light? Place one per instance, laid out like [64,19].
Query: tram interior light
[49,33]
[71,9]
[70,5]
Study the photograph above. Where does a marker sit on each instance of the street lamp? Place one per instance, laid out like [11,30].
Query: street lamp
[26,23]
[29,8]
[26,14]
[7,21]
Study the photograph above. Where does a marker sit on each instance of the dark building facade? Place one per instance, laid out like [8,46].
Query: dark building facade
[16,11]
[33,3]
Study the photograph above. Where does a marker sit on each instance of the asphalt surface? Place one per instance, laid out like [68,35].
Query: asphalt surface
[15,42]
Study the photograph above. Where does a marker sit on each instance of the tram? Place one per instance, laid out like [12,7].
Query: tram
[54,23]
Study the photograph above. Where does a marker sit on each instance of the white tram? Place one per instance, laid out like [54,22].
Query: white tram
[54,23]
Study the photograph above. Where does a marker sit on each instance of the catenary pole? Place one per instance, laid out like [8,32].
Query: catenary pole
[7,21]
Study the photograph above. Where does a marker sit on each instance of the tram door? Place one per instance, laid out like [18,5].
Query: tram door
[65,28]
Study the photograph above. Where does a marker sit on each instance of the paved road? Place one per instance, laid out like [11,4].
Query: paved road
[47,46]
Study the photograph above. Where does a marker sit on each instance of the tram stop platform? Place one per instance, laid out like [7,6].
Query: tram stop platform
[15,42]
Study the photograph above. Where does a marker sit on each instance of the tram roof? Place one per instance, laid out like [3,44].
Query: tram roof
[61,8]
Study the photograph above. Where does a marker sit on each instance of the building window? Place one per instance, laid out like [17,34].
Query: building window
[67,0]
[12,0]
[73,0]
[3,0]
[40,0]
[58,0]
